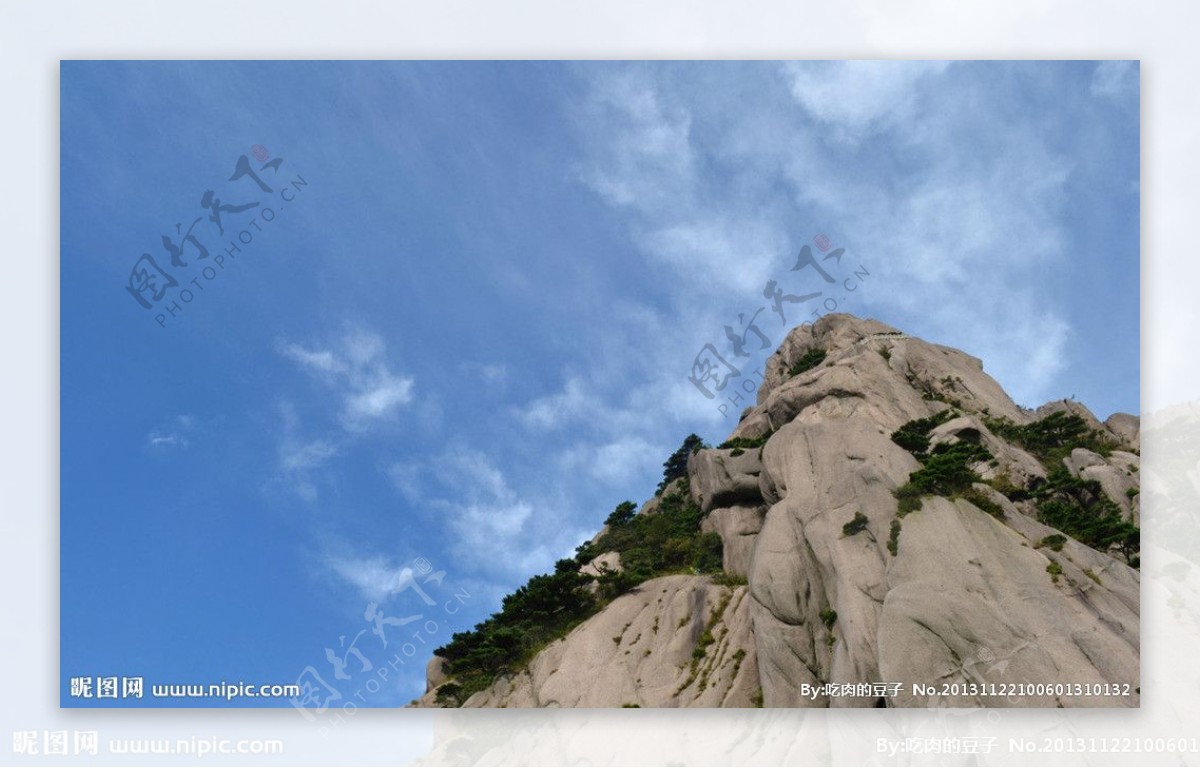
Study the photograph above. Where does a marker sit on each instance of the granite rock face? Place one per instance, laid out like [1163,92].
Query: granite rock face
[946,596]
[640,650]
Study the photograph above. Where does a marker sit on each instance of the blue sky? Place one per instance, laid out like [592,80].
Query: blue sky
[464,333]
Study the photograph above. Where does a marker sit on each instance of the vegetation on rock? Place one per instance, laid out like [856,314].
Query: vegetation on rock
[675,466]
[914,435]
[546,608]
[1079,508]
[1053,438]
[945,471]
[744,443]
[809,360]
[549,606]
[857,524]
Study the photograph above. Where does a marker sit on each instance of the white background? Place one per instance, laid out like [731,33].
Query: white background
[34,37]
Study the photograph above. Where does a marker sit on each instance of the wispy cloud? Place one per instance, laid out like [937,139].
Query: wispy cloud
[960,235]
[647,159]
[357,369]
[406,477]
[487,518]
[887,153]
[618,463]
[300,459]
[494,374]
[174,435]
[561,408]
[374,577]
[860,97]
[1115,79]
[493,530]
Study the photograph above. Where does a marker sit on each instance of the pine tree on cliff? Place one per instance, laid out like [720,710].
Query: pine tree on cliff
[676,465]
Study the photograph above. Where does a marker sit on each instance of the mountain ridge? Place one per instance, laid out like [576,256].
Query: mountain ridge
[884,512]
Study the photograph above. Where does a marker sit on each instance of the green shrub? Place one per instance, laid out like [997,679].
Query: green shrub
[585,553]
[676,464]
[981,500]
[1004,484]
[1079,508]
[1054,437]
[946,470]
[893,543]
[809,360]
[736,452]
[669,541]
[727,579]
[544,609]
[612,584]
[914,435]
[449,695]
[856,525]
[706,639]
[708,553]
[624,512]
[746,443]
[908,497]
[1055,570]
[1054,541]
[885,353]
[738,658]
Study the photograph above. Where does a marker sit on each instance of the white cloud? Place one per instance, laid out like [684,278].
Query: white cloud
[957,214]
[319,360]
[299,460]
[1115,79]
[356,368]
[558,410]
[406,477]
[171,440]
[959,238]
[719,253]
[375,577]
[487,512]
[305,456]
[379,400]
[647,157]
[493,529]
[859,96]
[495,374]
[617,464]
[175,435]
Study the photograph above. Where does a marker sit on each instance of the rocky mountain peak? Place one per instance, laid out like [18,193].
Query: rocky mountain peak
[884,513]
